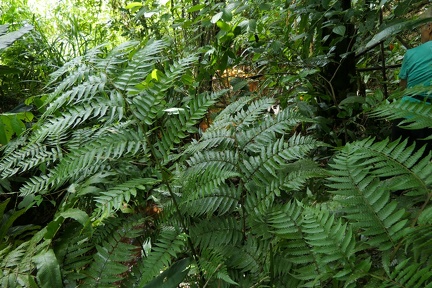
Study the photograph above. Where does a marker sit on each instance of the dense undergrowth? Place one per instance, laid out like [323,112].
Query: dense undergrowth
[136,172]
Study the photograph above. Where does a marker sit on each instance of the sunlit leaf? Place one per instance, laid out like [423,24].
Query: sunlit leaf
[216,17]
[133,5]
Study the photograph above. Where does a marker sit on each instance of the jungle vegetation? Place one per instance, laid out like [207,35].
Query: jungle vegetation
[189,143]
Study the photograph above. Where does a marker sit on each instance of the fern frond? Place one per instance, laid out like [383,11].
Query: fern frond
[265,133]
[147,101]
[91,156]
[418,243]
[36,184]
[247,258]
[78,93]
[366,201]
[331,239]
[318,245]
[197,107]
[189,115]
[261,171]
[222,139]
[139,67]
[408,275]
[27,158]
[17,264]
[70,119]
[212,263]
[394,159]
[225,117]
[74,254]
[116,57]
[170,243]
[415,115]
[287,223]
[220,199]
[299,172]
[10,265]
[108,265]
[206,183]
[212,160]
[77,74]
[216,232]
[245,118]
[109,201]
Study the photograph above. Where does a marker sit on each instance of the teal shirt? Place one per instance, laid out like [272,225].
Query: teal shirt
[417,67]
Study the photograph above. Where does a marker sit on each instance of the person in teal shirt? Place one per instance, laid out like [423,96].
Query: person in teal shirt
[416,71]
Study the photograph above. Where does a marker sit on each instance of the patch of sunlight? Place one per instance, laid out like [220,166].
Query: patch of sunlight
[42,7]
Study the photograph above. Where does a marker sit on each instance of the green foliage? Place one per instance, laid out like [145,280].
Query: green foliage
[143,195]
[6,39]
[105,126]
[12,123]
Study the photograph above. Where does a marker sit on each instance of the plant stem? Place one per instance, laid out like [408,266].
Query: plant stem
[178,211]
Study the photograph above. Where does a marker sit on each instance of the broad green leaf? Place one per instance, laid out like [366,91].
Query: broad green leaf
[133,5]
[351,100]
[171,277]
[7,222]
[52,228]
[3,207]
[196,8]
[6,131]
[48,269]
[155,75]
[339,30]
[25,116]
[77,215]
[29,201]
[17,125]
[226,15]
[224,26]
[216,17]
[4,138]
